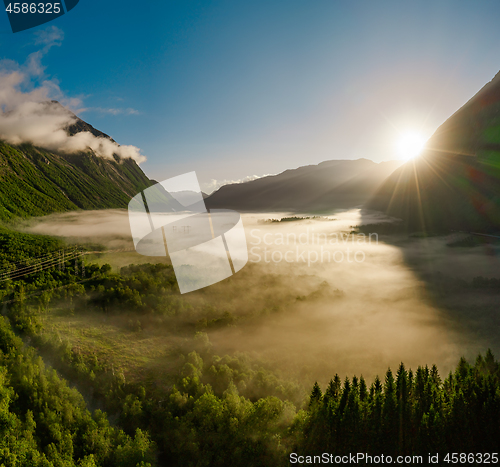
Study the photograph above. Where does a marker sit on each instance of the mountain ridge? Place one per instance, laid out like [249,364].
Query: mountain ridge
[38,181]
[455,183]
[328,185]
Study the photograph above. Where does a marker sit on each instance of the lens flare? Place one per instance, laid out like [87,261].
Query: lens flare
[409,145]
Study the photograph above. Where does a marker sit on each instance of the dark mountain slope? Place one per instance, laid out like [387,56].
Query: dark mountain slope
[328,185]
[455,183]
[35,181]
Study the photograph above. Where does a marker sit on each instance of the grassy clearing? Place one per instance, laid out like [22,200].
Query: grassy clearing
[137,354]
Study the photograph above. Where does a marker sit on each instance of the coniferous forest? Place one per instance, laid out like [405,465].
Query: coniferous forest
[249,234]
[209,410]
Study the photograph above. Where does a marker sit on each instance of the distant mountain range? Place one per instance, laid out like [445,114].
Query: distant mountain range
[455,183]
[36,181]
[328,185]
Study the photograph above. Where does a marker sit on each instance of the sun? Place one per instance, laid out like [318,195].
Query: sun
[409,145]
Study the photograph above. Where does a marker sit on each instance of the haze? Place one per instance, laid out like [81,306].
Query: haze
[360,316]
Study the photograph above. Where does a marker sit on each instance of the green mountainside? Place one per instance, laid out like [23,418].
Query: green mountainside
[455,183]
[35,181]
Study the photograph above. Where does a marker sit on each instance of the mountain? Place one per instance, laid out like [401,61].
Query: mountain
[455,183]
[36,181]
[328,185]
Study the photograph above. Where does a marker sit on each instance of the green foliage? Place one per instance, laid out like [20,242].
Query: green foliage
[37,182]
[208,410]
[408,414]
[45,423]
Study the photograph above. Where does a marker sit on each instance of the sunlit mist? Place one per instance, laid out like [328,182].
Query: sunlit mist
[322,311]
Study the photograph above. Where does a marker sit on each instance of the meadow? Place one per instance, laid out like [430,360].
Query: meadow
[282,357]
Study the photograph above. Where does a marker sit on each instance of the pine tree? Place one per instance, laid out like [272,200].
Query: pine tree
[316,394]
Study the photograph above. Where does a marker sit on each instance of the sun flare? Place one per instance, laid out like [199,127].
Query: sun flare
[409,145]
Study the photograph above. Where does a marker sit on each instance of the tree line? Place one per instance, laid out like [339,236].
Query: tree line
[211,410]
[407,413]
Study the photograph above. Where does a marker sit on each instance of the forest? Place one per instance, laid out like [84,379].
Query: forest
[62,404]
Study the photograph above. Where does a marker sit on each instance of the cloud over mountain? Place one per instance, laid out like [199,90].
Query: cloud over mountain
[28,115]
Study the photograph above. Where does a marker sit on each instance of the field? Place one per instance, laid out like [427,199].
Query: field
[257,372]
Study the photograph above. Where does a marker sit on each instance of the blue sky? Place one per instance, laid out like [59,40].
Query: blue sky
[234,89]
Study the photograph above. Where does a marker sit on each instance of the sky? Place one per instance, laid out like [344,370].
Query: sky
[235,89]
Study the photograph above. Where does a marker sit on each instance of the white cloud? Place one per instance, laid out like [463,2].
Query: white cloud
[113,111]
[49,36]
[27,114]
[214,185]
